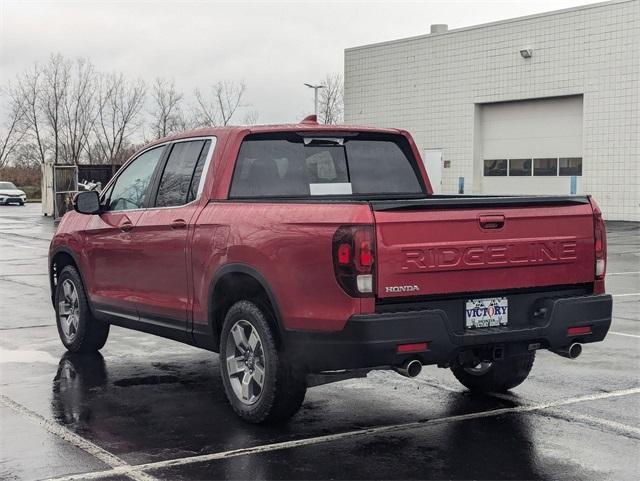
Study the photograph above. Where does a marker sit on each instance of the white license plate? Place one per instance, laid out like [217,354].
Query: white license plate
[490,312]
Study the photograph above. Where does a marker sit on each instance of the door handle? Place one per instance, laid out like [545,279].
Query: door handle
[491,221]
[179,224]
[126,226]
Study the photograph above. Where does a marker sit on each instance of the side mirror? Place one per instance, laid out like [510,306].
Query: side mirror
[87,202]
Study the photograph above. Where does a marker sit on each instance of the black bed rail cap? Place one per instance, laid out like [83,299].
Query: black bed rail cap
[489,201]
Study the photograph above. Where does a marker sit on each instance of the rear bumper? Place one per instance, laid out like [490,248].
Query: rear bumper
[372,340]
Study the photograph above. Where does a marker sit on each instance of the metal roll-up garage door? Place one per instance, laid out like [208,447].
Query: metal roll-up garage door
[530,146]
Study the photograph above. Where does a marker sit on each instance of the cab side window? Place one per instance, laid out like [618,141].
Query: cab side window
[182,172]
[130,188]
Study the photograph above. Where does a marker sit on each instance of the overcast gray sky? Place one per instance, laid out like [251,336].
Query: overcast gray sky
[274,47]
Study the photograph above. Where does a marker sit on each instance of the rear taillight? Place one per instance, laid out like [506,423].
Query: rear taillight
[354,259]
[600,247]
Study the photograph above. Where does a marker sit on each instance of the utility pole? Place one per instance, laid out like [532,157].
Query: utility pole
[315,95]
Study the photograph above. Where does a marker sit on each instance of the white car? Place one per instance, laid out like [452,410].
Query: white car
[10,194]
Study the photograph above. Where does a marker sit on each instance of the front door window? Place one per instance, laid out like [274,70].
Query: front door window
[130,188]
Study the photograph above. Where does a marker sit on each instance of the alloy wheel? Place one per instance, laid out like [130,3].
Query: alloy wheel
[245,362]
[69,310]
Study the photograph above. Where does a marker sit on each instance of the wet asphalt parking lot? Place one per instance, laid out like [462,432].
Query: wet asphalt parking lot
[148,408]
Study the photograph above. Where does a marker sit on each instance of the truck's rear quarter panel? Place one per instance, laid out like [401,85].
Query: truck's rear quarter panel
[447,251]
[290,245]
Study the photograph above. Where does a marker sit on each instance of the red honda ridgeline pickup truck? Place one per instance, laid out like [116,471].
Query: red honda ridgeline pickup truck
[307,253]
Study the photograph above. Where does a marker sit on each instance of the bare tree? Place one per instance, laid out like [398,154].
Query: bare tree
[167,117]
[251,118]
[28,88]
[219,108]
[58,108]
[13,130]
[51,96]
[26,155]
[64,111]
[331,102]
[78,110]
[119,102]
[58,105]
[125,154]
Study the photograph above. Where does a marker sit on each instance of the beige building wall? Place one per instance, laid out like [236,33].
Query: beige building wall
[441,87]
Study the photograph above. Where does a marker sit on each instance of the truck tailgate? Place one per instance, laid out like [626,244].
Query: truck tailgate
[425,249]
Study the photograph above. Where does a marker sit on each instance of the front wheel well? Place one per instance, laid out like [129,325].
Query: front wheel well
[234,287]
[58,263]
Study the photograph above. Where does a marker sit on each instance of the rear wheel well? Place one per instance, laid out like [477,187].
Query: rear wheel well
[59,262]
[234,287]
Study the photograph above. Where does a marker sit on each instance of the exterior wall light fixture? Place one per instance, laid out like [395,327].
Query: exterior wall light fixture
[526,52]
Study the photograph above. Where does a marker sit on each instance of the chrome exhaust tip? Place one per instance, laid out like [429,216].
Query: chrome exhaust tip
[571,351]
[410,368]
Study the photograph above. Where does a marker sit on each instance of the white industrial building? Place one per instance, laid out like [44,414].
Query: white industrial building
[544,104]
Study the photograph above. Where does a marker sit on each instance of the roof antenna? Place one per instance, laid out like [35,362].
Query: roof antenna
[310,119]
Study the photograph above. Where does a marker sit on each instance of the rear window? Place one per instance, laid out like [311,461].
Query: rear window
[293,166]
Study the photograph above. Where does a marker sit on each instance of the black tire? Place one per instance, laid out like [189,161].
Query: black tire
[499,377]
[21,203]
[90,334]
[284,387]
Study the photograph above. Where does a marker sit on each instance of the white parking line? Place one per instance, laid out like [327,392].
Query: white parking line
[614,425]
[128,470]
[625,295]
[587,418]
[623,334]
[72,438]
[622,273]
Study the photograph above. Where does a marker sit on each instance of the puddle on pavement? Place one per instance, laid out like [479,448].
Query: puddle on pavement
[147,381]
